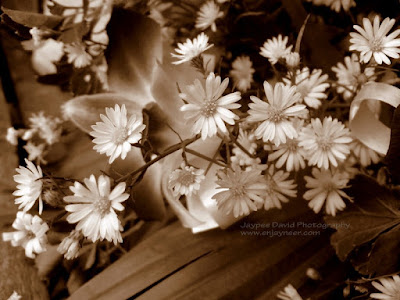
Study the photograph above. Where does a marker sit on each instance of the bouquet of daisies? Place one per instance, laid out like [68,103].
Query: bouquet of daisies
[189,105]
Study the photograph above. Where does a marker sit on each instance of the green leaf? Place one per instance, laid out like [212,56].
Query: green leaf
[31,19]
[374,211]
[380,260]
[392,159]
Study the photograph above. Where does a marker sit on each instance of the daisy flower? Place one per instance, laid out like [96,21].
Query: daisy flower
[310,86]
[325,142]
[276,114]
[242,73]
[242,191]
[350,77]
[207,108]
[275,49]
[278,188]
[116,133]
[93,208]
[29,187]
[389,288]
[372,40]
[364,154]
[191,49]
[325,187]
[30,234]
[289,293]
[209,12]
[70,245]
[77,55]
[290,152]
[248,141]
[186,180]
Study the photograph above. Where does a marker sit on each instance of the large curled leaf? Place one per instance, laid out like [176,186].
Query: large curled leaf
[31,19]
[392,158]
[375,211]
[134,48]
[84,111]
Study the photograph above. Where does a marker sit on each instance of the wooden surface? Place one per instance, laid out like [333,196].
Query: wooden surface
[175,264]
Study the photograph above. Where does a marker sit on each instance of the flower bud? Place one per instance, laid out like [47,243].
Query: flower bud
[70,245]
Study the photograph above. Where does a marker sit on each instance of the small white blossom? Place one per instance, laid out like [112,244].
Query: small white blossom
[77,55]
[372,40]
[186,180]
[242,73]
[116,133]
[242,191]
[279,188]
[191,49]
[275,49]
[325,187]
[12,136]
[36,152]
[30,234]
[93,208]
[350,77]
[276,113]
[311,86]
[325,142]
[207,108]
[29,187]
[209,12]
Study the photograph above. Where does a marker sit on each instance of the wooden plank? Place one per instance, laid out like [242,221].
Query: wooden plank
[297,277]
[239,270]
[173,251]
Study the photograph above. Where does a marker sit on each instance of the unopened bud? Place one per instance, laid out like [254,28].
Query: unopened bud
[292,60]
[70,245]
[52,197]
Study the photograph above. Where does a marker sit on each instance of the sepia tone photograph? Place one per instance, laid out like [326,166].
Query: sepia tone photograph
[199,149]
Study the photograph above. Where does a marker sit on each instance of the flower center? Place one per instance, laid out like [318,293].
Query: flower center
[376,45]
[324,143]
[30,235]
[238,191]
[291,145]
[119,136]
[186,179]
[102,206]
[209,108]
[275,115]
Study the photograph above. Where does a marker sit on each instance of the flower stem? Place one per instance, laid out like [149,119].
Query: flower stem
[212,160]
[167,152]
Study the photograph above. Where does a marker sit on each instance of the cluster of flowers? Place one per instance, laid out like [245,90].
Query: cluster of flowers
[42,134]
[292,125]
[79,43]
